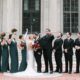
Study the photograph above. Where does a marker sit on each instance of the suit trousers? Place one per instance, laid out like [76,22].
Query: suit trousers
[47,53]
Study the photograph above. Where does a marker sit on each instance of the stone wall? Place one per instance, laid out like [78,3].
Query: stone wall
[51,15]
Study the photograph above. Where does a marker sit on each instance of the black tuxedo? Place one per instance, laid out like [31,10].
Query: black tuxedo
[46,44]
[77,53]
[46,41]
[68,44]
[37,55]
[58,54]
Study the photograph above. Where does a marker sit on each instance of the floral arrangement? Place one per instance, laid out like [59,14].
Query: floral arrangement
[36,46]
[23,44]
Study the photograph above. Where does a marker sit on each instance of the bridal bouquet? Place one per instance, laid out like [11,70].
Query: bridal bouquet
[36,46]
[23,44]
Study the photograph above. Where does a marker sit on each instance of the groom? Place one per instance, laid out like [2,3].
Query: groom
[37,53]
[46,44]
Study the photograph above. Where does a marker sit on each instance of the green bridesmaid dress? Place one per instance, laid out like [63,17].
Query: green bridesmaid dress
[23,64]
[5,58]
[13,56]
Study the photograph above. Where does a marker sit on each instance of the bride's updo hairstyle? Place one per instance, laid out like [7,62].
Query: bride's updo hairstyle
[30,36]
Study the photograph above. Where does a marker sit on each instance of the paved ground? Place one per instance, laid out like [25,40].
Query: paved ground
[49,77]
[63,77]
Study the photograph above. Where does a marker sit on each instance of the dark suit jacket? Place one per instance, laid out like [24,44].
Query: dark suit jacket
[77,43]
[46,41]
[69,44]
[58,45]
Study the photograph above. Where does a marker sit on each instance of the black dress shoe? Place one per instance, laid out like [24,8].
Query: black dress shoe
[60,71]
[45,72]
[76,72]
[51,72]
[39,71]
[56,71]
[70,72]
[65,72]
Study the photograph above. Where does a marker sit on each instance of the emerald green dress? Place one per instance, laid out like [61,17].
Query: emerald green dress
[13,56]
[23,64]
[5,58]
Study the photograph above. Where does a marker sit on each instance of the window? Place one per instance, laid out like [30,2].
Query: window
[31,16]
[25,5]
[37,5]
[70,16]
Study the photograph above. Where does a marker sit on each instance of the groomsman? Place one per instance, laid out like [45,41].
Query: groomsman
[68,52]
[37,53]
[77,53]
[46,44]
[58,52]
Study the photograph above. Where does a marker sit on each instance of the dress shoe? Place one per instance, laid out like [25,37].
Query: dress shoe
[45,72]
[39,71]
[65,72]
[56,71]
[60,71]
[76,72]
[51,72]
[70,72]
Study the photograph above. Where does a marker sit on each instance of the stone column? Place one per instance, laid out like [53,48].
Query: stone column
[55,15]
[12,15]
[8,15]
[44,15]
[78,15]
[51,15]
[4,17]
[61,15]
[1,14]
[18,15]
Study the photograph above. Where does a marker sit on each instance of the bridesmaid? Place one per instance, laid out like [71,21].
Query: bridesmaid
[23,48]
[5,53]
[13,51]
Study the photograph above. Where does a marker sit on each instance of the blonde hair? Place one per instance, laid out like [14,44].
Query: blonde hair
[30,36]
